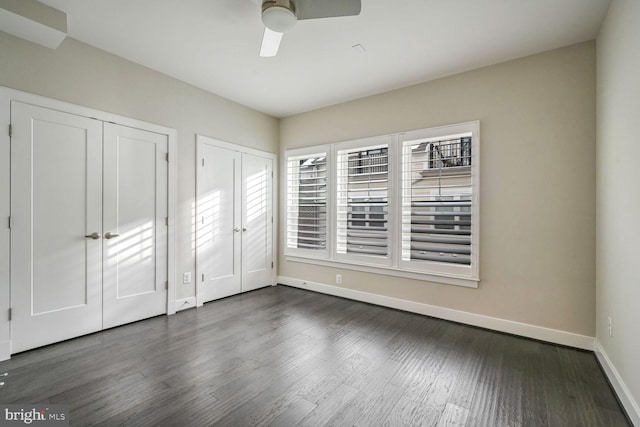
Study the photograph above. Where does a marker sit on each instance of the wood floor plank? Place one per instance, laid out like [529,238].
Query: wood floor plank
[554,387]
[434,402]
[509,397]
[470,369]
[417,383]
[275,399]
[577,384]
[328,405]
[281,356]
[293,414]
[533,403]
[483,410]
[378,405]
[453,416]
[375,398]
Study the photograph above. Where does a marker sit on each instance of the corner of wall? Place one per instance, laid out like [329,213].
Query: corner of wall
[618,90]
[627,400]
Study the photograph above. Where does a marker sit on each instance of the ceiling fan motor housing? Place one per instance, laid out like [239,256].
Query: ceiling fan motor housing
[279,15]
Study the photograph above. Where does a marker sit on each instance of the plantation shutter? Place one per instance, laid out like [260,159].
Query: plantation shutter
[307,202]
[362,201]
[437,197]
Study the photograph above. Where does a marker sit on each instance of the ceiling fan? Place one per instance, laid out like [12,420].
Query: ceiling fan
[280,16]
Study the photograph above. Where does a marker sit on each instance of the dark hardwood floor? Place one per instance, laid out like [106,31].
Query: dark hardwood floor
[284,357]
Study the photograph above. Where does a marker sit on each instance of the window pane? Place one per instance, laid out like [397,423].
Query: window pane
[307,202]
[436,200]
[362,201]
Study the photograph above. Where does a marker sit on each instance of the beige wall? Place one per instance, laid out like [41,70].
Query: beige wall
[537,124]
[81,74]
[537,117]
[618,191]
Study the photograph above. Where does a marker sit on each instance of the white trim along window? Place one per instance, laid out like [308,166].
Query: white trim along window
[362,201]
[306,212]
[403,205]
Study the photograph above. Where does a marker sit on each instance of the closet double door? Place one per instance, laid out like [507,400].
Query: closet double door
[88,233]
[234,239]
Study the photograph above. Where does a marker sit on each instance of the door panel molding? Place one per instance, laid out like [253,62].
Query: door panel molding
[56,272]
[203,143]
[218,222]
[135,241]
[257,213]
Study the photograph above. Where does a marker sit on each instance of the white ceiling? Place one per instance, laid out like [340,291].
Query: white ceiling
[214,44]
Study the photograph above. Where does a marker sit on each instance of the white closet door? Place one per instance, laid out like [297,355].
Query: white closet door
[56,200]
[257,226]
[219,222]
[135,232]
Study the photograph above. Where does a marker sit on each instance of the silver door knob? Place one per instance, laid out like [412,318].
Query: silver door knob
[110,235]
[94,236]
[237,229]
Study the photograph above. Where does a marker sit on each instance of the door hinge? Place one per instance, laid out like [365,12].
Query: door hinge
[166,220]
[10,222]
[166,284]
[203,162]
[166,156]
[272,264]
[10,313]
[203,277]
[10,130]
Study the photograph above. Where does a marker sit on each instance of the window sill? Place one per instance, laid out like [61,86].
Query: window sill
[388,271]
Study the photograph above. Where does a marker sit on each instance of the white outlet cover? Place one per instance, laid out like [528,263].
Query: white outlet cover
[186,278]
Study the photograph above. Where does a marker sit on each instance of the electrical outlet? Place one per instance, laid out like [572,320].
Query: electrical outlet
[186,278]
[610,328]
[338,279]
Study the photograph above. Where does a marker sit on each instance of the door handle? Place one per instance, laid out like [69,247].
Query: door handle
[110,235]
[237,229]
[245,229]
[94,236]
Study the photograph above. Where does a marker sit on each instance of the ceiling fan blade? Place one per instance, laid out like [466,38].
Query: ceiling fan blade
[270,43]
[313,9]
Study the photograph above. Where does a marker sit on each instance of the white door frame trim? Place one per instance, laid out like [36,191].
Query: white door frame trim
[202,140]
[6,96]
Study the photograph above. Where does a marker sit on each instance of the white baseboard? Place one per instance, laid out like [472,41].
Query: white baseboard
[516,328]
[5,350]
[185,303]
[625,396]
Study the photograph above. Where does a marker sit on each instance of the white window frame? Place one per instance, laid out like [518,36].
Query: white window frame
[303,252]
[392,264]
[470,272]
[365,144]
